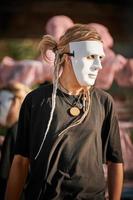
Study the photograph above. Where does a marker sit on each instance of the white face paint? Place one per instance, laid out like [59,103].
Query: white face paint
[86,61]
[6,98]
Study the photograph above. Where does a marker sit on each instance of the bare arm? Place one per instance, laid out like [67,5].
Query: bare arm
[17,177]
[115,180]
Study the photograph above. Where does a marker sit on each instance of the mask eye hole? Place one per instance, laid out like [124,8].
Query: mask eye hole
[101,57]
[91,57]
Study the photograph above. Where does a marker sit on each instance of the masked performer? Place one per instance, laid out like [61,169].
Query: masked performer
[68,129]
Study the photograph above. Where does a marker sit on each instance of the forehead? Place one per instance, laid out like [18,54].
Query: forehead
[85,48]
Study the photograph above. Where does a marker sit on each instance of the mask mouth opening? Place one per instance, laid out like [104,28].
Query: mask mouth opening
[92,75]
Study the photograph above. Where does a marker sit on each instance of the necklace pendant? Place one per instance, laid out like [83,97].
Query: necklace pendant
[74,111]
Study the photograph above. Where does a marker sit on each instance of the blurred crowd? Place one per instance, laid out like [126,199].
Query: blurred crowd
[17,78]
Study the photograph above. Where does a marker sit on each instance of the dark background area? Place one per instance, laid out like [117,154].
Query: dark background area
[22,24]
[27,18]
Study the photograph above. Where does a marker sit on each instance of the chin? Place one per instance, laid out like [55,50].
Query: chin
[90,83]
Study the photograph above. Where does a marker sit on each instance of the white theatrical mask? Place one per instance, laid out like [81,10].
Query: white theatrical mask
[86,60]
[6,99]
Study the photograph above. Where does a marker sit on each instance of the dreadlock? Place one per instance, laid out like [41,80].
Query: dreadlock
[79,32]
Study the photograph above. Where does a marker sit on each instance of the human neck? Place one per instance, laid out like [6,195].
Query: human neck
[72,88]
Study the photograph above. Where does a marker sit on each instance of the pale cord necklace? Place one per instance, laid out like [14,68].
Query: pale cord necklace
[78,105]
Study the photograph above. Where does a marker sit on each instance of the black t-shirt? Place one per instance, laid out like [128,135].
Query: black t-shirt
[69,165]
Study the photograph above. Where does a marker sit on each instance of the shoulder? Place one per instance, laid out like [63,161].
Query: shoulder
[38,95]
[104,99]
[103,95]
[40,92]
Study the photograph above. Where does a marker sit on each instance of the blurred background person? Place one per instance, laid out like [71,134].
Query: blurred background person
[11,98]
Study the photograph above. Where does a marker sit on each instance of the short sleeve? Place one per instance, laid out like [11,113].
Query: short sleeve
[113,143]
[23,131]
